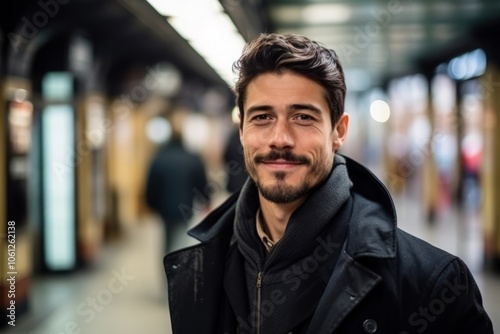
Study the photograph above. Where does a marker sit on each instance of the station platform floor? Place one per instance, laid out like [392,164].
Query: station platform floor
[125,292]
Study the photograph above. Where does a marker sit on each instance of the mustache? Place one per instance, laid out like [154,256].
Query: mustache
[286,155]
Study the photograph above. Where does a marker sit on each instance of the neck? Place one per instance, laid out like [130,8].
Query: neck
[276,216]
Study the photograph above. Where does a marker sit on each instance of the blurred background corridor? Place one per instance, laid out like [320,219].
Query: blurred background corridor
[98,97]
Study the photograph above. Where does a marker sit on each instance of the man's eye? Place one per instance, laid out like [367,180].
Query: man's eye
[304,117]
[261,117]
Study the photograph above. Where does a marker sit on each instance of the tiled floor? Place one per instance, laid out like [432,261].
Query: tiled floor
[124,292]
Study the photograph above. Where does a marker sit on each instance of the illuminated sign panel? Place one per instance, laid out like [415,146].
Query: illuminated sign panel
[57,86]
[58,187]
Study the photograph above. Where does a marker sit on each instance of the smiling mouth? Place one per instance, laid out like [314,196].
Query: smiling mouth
[281,164]
[281,161]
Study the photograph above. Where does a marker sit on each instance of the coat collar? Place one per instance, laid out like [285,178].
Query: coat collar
[216,220]
[373,225]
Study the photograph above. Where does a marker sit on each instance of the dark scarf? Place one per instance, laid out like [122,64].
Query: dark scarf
[314,219]
[304,226]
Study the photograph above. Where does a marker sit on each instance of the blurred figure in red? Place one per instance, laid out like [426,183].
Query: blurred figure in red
[472,149]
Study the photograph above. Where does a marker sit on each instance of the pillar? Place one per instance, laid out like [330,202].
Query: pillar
[491,166]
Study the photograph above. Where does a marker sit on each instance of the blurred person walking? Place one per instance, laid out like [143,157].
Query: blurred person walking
[175,186]
[310,243]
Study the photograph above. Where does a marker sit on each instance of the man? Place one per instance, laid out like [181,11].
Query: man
[310,243]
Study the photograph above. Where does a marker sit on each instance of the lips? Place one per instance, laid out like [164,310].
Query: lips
[281,164]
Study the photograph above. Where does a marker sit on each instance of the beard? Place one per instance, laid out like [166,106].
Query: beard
[280,191]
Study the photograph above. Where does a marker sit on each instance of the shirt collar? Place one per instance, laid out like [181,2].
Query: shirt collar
[268,242]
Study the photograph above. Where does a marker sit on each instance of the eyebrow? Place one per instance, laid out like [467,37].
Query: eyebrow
[258,108]
[300,106]
[292,107]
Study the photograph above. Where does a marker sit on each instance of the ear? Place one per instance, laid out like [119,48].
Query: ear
[340,132]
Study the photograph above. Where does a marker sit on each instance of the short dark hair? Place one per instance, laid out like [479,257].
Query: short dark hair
[277,53]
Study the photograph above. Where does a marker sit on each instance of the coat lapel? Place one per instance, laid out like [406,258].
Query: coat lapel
[198,293]
[194,274]
[348,286]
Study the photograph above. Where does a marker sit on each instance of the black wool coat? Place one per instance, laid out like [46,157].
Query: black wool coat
[385,280]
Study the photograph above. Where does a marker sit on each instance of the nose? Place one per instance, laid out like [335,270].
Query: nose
[281,136]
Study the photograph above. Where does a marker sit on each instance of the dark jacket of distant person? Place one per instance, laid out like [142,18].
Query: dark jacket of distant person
[176,182]
[384,280]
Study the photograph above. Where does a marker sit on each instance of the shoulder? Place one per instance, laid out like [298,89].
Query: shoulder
[415,251]
[420,264]
[438,290]
[419,261]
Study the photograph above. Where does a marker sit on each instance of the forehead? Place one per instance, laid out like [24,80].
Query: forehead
[287,87]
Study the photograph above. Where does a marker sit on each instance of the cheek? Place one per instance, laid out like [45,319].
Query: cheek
[322,148]
[252,141]
[249,148]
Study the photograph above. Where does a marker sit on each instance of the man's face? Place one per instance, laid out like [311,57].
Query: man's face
[287,135]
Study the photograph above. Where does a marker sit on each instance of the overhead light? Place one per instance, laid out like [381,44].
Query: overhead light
[468,65]
[208,29]
[311,14]
[380,111]
[158,130]
[325,13]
